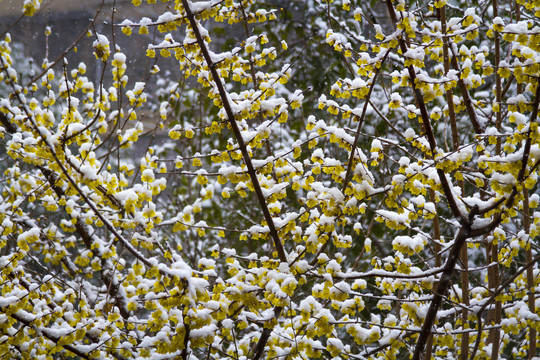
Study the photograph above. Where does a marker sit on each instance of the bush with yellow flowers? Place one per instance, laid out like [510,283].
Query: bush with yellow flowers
[304,179]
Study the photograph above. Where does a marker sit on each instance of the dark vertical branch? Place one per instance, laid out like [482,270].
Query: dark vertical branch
[509,203]
[419,97]
[464,351]
[463,233]
[527,228]
[440,291]
[502,287]
[259,349]
[438,262]
[492,248]
[265,336]
[530,274]
[185,350]
[236,130]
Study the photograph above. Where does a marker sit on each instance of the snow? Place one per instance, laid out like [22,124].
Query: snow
[5,301]
[120,57]
[409,133]
[101,40]
[415,243]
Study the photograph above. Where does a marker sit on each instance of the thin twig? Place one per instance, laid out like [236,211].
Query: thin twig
[360,123]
